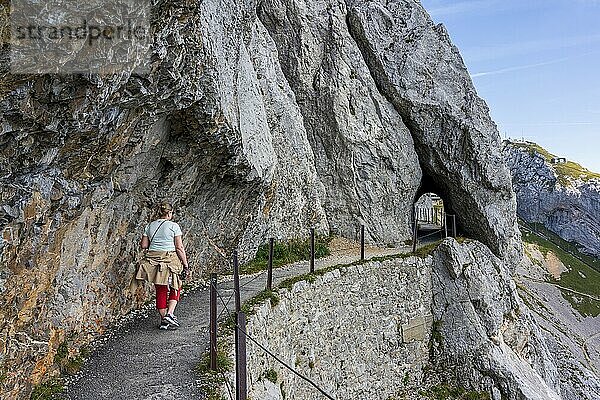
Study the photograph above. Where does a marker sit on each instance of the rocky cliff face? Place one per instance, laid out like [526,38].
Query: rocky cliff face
[328,48]
[564,198]
[485,336]
[257,119]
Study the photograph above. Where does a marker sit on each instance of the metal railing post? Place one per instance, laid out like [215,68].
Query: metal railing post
[240,357]
[213,322]
[454,226]
[362,243]
[312,250]
[445,222]
[240,338]
[270,266]
[236,281]
[414,231]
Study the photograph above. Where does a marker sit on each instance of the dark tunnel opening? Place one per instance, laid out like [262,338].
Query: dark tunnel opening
[433,216]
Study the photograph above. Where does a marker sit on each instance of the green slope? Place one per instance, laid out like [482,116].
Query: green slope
[581,276]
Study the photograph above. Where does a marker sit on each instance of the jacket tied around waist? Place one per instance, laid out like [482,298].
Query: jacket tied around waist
[161,268]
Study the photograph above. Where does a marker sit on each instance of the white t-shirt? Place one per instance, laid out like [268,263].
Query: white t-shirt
[162,235]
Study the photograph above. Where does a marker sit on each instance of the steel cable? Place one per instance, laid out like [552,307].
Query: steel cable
[258,275]
[430,234]
[266,350]
[225,304]
[224,377]
[284,364]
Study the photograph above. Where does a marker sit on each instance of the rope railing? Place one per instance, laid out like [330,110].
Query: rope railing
[258,275]
[437,232]
[225,303]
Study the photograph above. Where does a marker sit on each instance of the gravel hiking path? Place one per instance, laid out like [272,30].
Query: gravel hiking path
[139,361]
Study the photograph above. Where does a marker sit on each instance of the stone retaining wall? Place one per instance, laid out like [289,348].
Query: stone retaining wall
[358,332]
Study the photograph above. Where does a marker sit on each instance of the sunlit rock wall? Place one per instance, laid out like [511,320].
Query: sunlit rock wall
[256,120]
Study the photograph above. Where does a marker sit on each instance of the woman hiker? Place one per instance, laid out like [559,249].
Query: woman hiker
[164,263]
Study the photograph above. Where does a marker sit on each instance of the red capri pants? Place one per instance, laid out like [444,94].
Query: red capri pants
[163,294]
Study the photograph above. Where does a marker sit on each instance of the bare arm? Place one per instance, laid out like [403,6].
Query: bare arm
[181,251]
[144,243]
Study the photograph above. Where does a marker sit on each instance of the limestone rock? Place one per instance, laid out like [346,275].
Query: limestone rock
[484,336]
[566,205]
[265,390]
[364,153]
[422,74]
[214,128]
[257,119]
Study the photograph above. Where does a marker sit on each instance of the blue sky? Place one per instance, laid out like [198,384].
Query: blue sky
[537,64]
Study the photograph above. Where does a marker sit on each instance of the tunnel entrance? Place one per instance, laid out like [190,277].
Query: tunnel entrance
[431,221]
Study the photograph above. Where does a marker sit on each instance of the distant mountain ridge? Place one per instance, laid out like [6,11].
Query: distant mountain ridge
[558,193]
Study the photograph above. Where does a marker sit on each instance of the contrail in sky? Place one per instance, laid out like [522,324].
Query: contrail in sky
[519,67]
[551,124]
[527,66]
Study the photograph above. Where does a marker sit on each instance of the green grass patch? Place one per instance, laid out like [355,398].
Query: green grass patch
[587,307]
[406,379]
[286,253]
[574,278]
[213,380]
[271,375]
[462,239]
[62,352]
[310,278]
[445,392]
[224,363]
[573,170]
[426,250]
[579,277]
[70,364]
[272,296]
[47,390]
[569,247]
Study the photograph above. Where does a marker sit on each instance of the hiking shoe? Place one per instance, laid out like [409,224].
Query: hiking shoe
[166,326]
[171,319]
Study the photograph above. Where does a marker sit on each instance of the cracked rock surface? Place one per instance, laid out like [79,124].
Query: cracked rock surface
[484,335]
[422,74]
[568,207]
[257,119]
